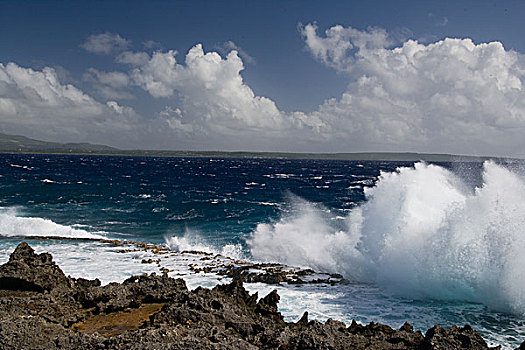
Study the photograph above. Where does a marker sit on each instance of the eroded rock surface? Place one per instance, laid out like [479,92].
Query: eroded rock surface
[41,308]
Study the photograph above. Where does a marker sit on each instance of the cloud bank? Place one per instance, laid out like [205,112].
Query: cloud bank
[451,95]
[215,103]
[36,104]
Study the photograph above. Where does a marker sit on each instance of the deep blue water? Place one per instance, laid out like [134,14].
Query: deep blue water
[147,198]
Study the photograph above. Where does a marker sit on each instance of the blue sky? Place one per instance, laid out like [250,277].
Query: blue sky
[297,82]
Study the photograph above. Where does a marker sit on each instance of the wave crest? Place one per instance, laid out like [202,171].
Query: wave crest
[13,225]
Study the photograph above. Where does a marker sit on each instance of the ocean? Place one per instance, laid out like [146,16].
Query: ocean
[438,243]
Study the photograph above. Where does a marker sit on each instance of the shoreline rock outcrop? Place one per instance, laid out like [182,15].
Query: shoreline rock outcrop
[41,308]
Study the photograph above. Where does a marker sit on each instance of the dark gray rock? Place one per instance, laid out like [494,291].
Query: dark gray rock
[453,338]
[41,308]
[27,271]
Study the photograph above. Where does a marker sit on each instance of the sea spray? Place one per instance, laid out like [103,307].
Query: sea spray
[193,241]
[422,233]
[305,238]
[401,225]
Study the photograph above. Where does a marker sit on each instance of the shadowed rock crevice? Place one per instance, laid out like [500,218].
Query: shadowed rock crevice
[18,284]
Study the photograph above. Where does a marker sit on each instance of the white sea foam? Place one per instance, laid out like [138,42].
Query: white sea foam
[193,241]
[422,233]
[269,204]
[14,225]
[21,166]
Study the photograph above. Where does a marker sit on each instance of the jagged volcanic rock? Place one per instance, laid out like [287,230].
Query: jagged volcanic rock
[41,308]
[28,271]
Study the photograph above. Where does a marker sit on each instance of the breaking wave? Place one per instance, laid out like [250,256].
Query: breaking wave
[14,225]
[422,233]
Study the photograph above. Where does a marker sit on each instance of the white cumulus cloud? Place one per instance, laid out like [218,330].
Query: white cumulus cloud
[449,96]
[227,46]
[105,43]
[110,85]
[215,99]
[31,91]
[37,104]
[341,46]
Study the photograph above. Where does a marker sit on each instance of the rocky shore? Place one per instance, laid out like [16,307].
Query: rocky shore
[42,308]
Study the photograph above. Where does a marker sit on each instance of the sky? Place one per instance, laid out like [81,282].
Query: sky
[299,76]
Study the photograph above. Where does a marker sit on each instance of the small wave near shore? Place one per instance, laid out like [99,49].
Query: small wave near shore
[13,224]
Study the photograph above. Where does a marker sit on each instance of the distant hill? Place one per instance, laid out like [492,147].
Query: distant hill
[22,144]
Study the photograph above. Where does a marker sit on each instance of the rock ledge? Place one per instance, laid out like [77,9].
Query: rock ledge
[41,308]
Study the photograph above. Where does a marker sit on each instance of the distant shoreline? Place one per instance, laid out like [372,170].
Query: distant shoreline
[364,156]
[17,144]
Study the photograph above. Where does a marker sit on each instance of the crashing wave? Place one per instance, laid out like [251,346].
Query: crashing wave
[422,233]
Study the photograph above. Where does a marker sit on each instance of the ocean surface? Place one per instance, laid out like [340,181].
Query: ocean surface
[428,243]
